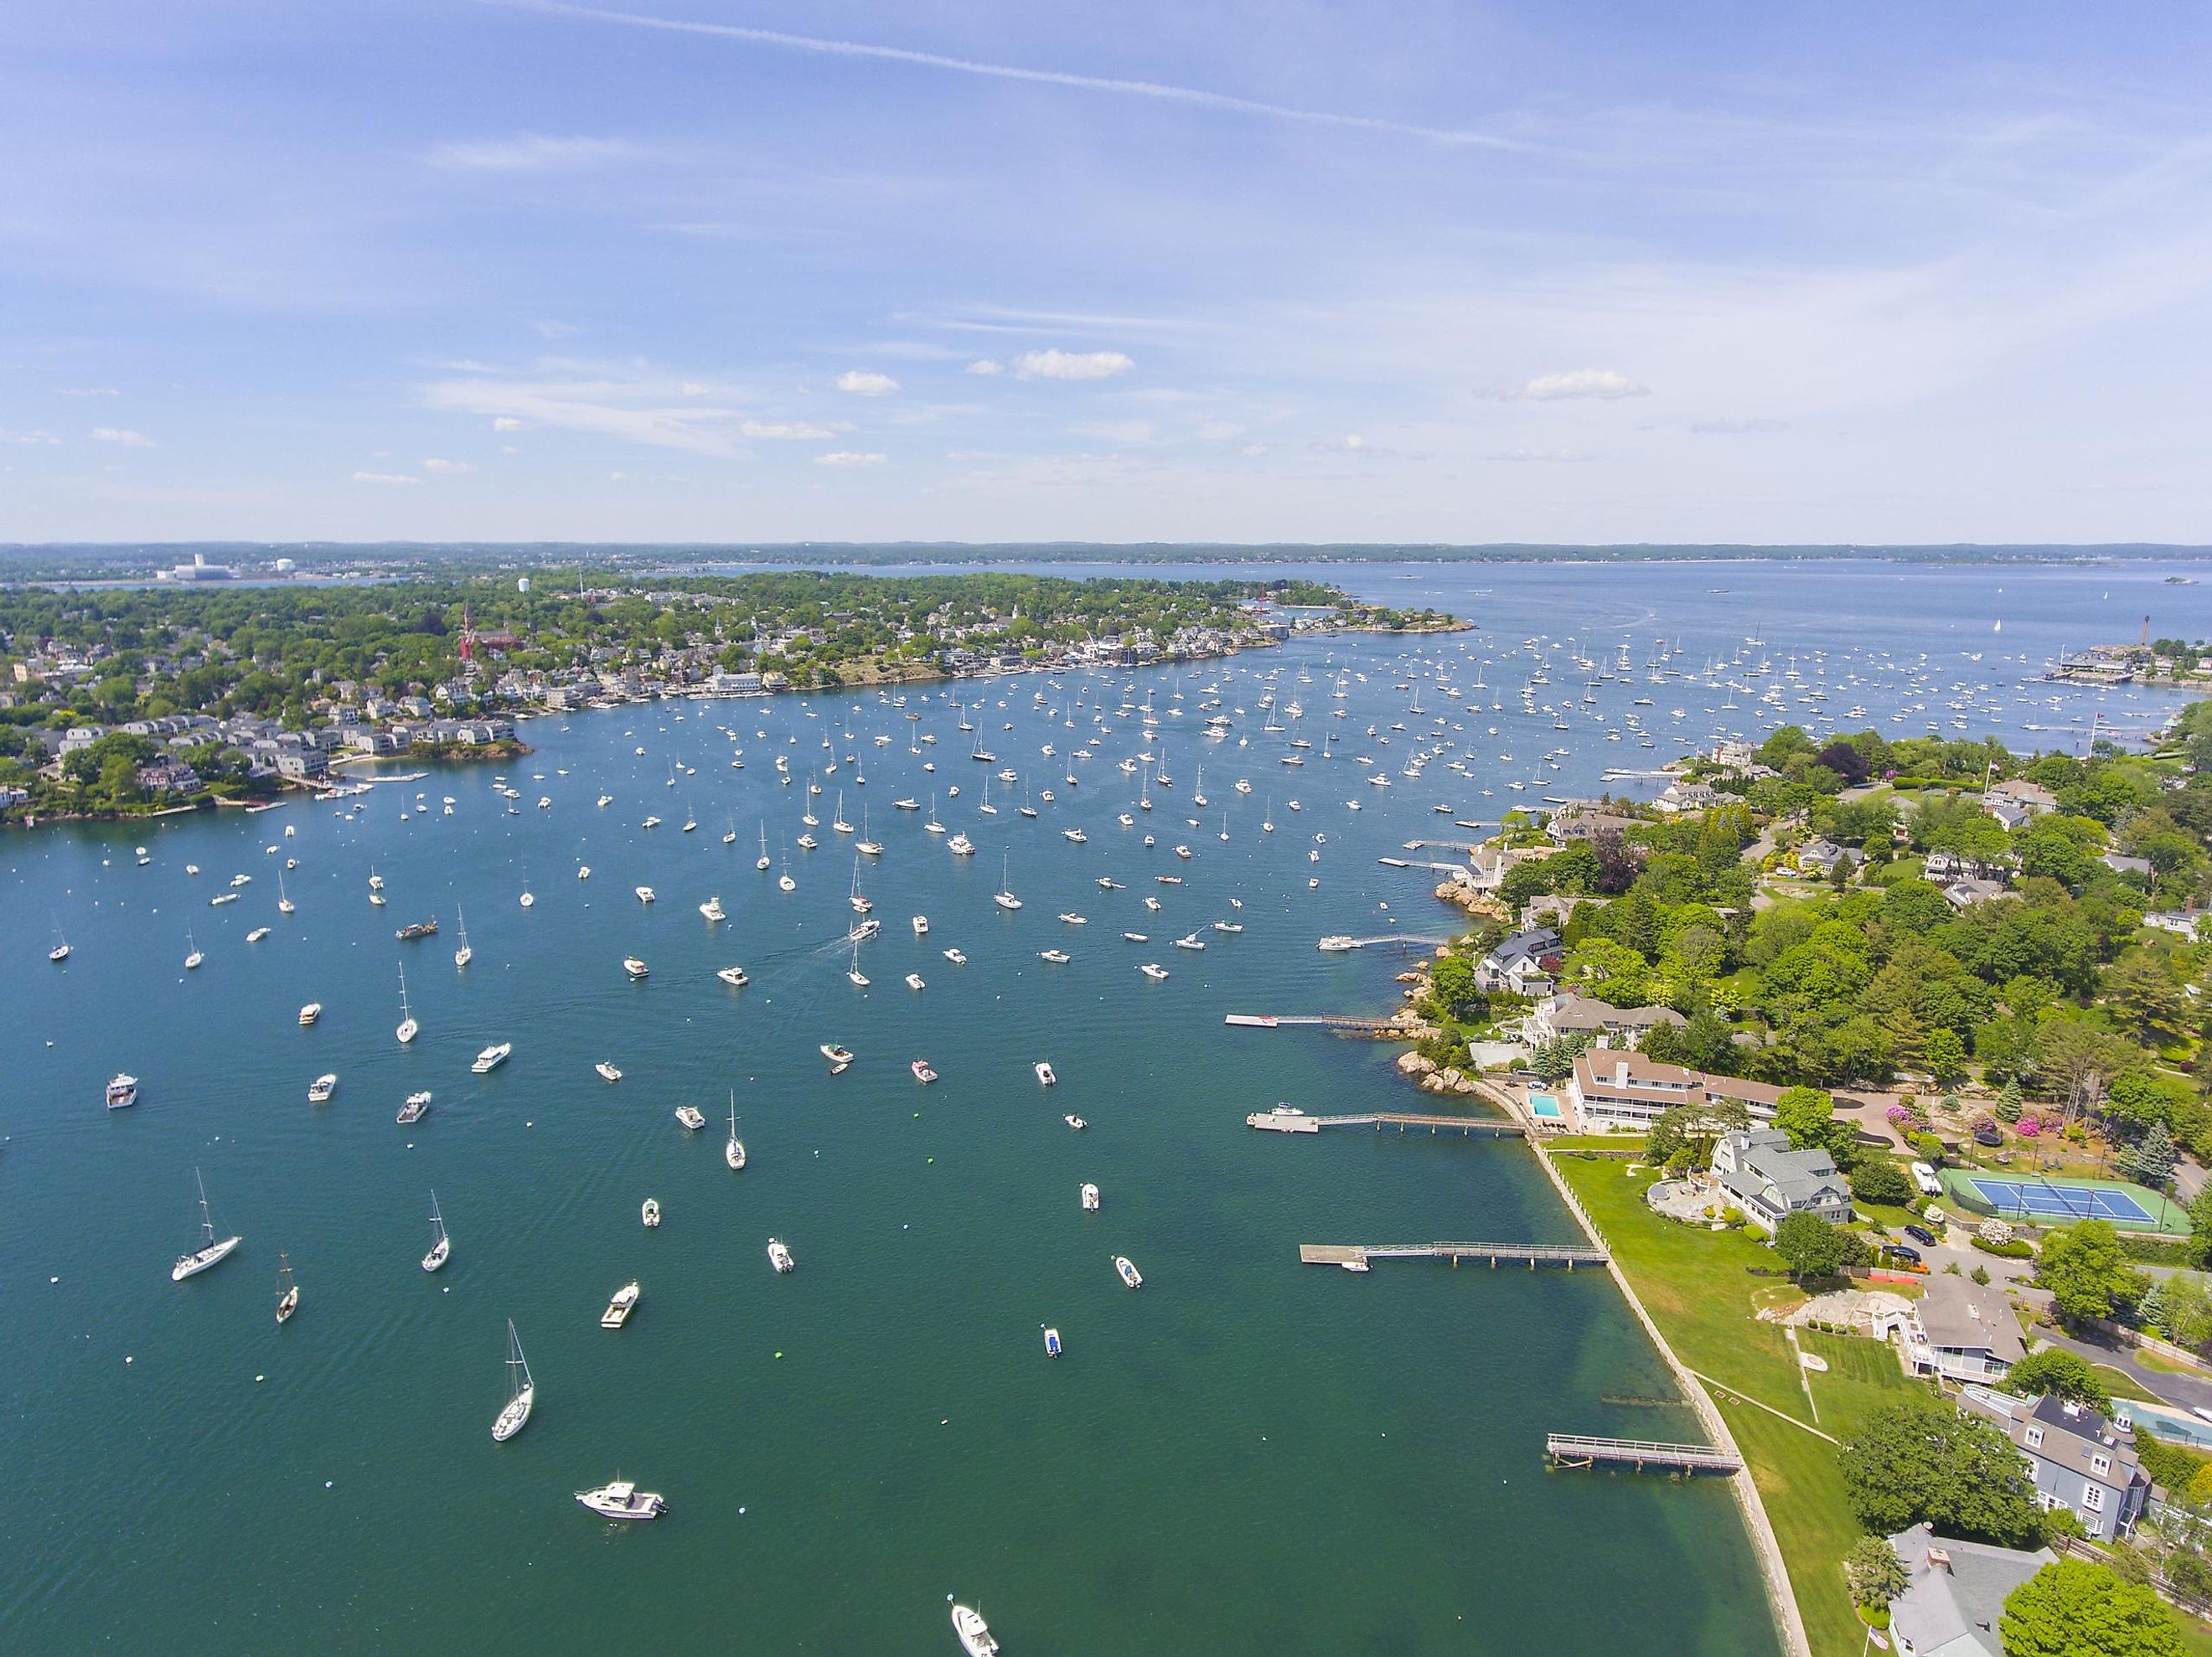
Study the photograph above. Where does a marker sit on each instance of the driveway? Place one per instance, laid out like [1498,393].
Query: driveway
[2183,1392]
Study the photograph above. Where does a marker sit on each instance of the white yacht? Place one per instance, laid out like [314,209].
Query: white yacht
[607,1071]
[956,957]
[213,1252]
[1075,1122]
[691,1116]
[413,1111]
[288,1292]
[1058,957]
[492,1057]
[320,1089]
[441,1246]
[922,926]
[623,1500]
[650,1213]
[778,1256]
[1153,970]
[959,845]
[1129,1272]
[712,908]
[1044,1076]
[635,968]
[1089,1195]
[521,1391]
[619,1308]
[644,894]
[122,1092]
[837,1055]
[913,981]
[975,1635]
[733,976]
[192,953]
[1004,898]
[311,1012]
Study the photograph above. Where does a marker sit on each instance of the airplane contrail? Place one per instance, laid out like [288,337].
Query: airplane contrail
[1195,96]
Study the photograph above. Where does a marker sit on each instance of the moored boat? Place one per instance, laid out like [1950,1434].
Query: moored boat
[835,1054]
[441,1244]
[619,1308]
[122,1092]
[975,1635]
[414,1110]
[492,1057]
[623,1500]
[691,1116]
[650,1213]
[1089,1195]
[778,1256]
[921,1070]
[213,1252]
[522,1391]
[320,1089]
[1128,1272]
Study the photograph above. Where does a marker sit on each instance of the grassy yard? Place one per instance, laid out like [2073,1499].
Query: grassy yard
[1697,1288]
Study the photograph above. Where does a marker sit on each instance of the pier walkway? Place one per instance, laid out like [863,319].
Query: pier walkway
[1583,1450]
[1355,1256]
[1270,1121]
[1407,939]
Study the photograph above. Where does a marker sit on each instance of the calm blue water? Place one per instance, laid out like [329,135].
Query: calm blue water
[1246,1456]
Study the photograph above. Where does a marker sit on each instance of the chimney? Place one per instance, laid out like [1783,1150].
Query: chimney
[1620,1072]
[1940,1559]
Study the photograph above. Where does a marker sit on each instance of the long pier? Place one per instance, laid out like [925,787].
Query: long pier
[1584,1450]
[1443,846]
[1324,1021]
[1417,863]
[1355,1256]
[1269,1121]
[1391,937]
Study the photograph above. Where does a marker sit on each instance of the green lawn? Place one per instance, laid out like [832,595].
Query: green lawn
[1696,1287]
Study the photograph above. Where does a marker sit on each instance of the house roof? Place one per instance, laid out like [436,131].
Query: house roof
[1951,1605]
[1958,1311]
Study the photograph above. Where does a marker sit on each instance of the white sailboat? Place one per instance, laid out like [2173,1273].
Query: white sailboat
[408,1028]
[284,905]
[288,1297]
[521,1391]
[193,955]
[1004,898]
[213,1252]
[734,1153]
[761,862]
[441,1246]
[465,953]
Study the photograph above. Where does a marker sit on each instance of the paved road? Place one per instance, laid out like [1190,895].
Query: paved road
[2183,1392]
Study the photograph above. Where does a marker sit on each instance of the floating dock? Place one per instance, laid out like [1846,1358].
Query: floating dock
[1583,1450]
[1531,1254]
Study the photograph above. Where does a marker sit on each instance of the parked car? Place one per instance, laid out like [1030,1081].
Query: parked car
[1910,1255]
[1921,1235]
[1924,1177]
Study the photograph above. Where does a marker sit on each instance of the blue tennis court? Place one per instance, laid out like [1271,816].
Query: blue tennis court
[2056,1202]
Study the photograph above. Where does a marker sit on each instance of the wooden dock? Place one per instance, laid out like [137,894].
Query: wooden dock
[1583,1450]
[1357,1255]
[1496,1127]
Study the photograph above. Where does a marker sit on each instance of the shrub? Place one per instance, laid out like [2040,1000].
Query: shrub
[2012,1250]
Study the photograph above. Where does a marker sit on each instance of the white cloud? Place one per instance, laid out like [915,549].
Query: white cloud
[7,436]
[1120,431]
[527,152]
[1737,428]
[509,448]
[507,423]
[1576,382]
[1253,449]
[861,383]
[547,329]
[695,388]
[1056,364]
[89,390]
[985,365]
[385,478]
[122,435]
[1355,441]
[1561,457]
[625,402]
[847,458]
[447,468]
[800,430]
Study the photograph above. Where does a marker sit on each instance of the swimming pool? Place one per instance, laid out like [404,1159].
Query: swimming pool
[1543,1105]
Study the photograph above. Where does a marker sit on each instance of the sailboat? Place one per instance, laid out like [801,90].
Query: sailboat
[60,951]
[463,956]
[1004,898]
[441,1246]
[408,1028]
[783,879]
[288,1301]
[521,1391]
[192,955]
[730,838]
[213,1252]
[734,1152]
[858,978]
[284,905]
[761,862]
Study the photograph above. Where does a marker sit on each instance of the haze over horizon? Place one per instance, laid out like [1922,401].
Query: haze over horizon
[749,273]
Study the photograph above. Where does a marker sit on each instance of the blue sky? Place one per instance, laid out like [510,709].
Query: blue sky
[738,271]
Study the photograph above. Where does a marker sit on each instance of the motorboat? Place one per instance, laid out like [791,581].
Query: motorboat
[1190,941]
[1075,1122]
[522,1392]
[213,1252]
[1076,836]
[256,934]
[1130,1274]
[712,908]
[619,1308]
[441,1244]
[922,926]
[1075,920]
[311,1012]
[651,1214]
[733,976]
[691,1116]
[635,968]
[1229,926]
[913,981]
[1044,1076]
[416,1106]
[1337,944]
[959,845]
[778,1256]
[1051,1343]
[1154,971]
[1089,1196]
[835,1054]
[623,1500]
[492,1057]
[607,1072]
[956,957]
[1137,938]
[414,930]
[922,1071]
[122,1092]
[975,1635]
[1058,957]
[320,1089]
[644,894]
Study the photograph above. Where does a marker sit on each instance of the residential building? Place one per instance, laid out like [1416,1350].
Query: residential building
[2017,801]
[1679,796]
[1967,891]
[1954,1593]
[1522,963]
[1963,1331]
[2076,1459]
[1568,1014]
[1610,1090]
[1769,1181]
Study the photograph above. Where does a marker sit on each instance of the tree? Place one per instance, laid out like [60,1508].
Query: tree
[1451,981]
[1874,1572]
[1921,1459]
[2009,1101]
[2075,1607]
[1815,1249]
[2057,1370]
[2084,1270]
[2149,1161]
[1946,1056]
[1808,1116]
[1878,1179]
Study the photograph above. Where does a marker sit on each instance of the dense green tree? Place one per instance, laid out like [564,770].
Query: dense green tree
[1878,1179]
[2087,1273]
[1946,1057]
[1815,1249]
[1922,1459]
[2057,1371]
[1876,1573]
[2075,1608]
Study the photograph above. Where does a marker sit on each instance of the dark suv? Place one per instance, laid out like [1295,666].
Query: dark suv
[1901,1252]
[1921,1234]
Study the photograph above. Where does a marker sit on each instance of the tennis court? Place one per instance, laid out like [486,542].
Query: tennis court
[2062,1201]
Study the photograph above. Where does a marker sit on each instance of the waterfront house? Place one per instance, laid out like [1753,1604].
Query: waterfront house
[1679,796]
[1769,1181]
[1954,1593]
[2076,1459]
[1963,1331]
[2017,801]
[1522,963]
[1617,1089]
[1568,1014]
